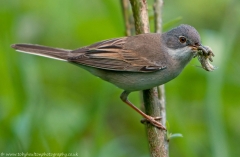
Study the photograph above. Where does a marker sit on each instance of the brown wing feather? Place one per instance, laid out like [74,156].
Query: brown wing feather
[111,55]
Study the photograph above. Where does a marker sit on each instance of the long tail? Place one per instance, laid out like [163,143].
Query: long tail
[55,53]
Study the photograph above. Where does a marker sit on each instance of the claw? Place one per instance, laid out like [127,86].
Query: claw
[153,121]
[155,118]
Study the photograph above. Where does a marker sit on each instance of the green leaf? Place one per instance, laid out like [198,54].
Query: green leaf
[176,135]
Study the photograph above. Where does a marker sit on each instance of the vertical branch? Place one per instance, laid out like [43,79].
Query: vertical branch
[140,14]
[158,5]
[153,107]
[156,137]
[128,19]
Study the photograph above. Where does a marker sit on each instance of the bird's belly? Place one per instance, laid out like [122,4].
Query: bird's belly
[133,81]
[137,81]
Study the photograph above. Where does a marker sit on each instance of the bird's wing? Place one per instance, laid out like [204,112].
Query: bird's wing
[111,55]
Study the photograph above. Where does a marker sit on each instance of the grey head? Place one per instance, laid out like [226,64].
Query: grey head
[182,42]
[181,36]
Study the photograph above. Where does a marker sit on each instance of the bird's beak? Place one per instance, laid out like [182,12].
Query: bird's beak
[201,50]
[204,50]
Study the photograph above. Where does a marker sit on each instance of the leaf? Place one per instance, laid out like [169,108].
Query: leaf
[176,135]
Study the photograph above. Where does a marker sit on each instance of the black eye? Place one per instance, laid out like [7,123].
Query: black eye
[182,39]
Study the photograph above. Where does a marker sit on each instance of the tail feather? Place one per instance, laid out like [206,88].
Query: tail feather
[55,53]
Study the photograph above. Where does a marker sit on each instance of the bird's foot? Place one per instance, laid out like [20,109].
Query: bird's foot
[153,121]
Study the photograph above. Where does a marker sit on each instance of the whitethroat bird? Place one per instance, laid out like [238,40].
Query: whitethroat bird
[132,63]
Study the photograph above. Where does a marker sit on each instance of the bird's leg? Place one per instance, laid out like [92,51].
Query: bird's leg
[152,120]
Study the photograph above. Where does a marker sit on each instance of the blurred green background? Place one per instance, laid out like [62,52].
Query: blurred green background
[51,106]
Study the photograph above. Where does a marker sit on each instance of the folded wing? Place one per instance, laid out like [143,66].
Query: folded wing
[111,55]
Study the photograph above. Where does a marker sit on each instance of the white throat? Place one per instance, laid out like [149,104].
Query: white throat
[185,53]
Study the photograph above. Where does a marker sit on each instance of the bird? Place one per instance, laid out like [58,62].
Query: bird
[132,63]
